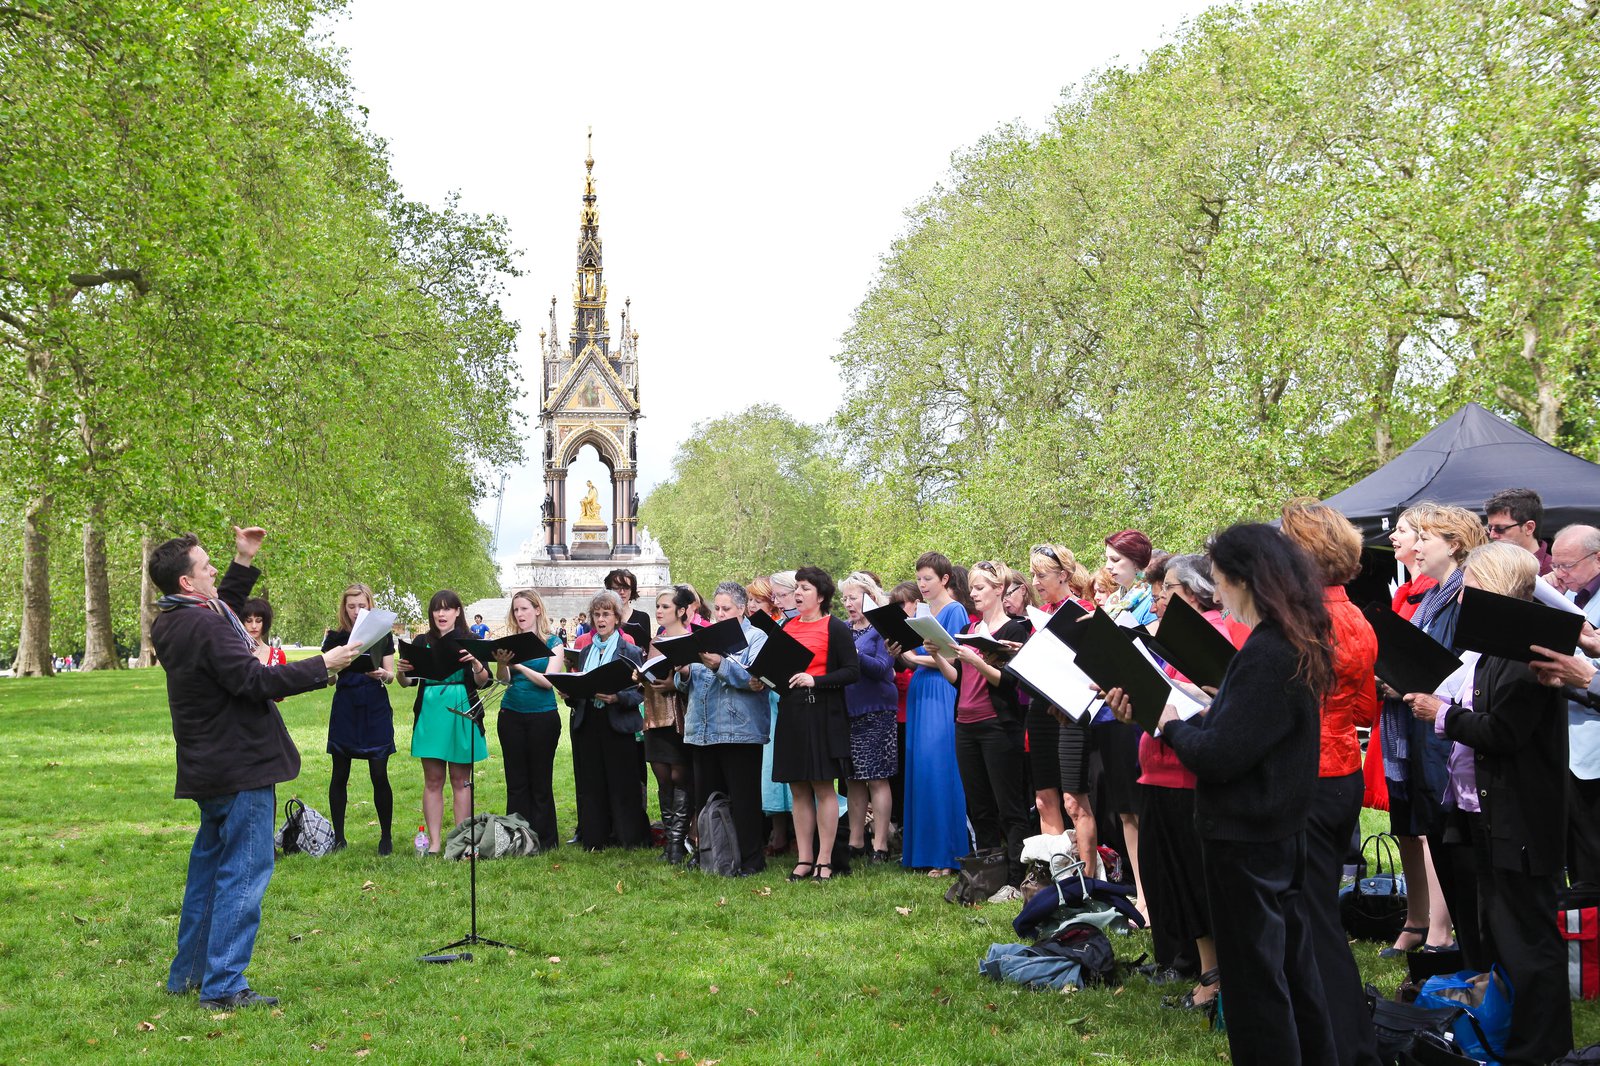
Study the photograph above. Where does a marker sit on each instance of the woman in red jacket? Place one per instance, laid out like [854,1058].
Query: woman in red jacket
[1334,545]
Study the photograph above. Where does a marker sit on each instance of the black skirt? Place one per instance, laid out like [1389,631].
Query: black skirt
[1169,862]
[1044,738]
[1073,750]
[1117,744]
[811,739]
[664,744]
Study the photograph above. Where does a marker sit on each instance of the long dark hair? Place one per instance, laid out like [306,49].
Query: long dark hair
[447,598]
[1286,587]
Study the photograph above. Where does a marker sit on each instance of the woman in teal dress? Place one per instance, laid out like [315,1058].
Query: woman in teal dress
[442,733]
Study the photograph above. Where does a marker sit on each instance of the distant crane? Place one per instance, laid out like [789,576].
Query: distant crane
[499,507]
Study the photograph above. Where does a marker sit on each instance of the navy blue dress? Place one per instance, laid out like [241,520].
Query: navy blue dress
[361,723]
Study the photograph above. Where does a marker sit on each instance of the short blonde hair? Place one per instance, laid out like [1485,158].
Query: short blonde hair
[1459,526]
[865,583]
[783,579]
[542,626]
[1503,568]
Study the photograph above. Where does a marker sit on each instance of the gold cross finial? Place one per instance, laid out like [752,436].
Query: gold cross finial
[589,162]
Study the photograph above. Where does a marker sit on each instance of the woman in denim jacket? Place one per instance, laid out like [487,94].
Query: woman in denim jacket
[728,721]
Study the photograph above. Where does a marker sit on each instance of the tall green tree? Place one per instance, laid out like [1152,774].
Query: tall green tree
[750,494]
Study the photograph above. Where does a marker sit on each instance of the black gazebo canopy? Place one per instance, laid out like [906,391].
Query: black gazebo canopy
[1466,459]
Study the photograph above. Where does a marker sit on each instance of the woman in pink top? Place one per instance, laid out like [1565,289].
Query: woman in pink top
[1169,847]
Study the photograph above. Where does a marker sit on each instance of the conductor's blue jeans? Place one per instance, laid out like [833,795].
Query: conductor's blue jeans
[229,868]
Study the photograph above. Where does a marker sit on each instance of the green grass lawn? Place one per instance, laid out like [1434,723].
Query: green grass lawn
[626,960]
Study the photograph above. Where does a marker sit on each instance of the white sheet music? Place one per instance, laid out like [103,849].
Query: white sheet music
[1051,667]
[933,635]
[371,627]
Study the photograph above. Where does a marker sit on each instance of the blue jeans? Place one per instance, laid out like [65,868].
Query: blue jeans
[229,868]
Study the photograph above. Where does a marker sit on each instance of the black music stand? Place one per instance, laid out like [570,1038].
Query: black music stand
[449,953]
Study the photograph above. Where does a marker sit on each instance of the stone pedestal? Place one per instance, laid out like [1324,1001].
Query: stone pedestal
[568,584]
[589,541]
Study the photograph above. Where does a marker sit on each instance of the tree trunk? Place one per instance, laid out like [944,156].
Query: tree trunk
[148,595]
[99,642]
[33,648]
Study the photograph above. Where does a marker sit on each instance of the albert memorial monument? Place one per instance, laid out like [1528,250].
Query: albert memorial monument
[589,395]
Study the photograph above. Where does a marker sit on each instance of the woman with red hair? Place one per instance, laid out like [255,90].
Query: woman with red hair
[1117,743]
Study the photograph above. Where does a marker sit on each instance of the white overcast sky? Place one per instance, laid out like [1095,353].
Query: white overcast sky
[753,162]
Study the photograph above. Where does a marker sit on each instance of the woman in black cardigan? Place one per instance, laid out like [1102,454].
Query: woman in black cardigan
[1516,731]
[605,755]
[1254,757]
[812,738]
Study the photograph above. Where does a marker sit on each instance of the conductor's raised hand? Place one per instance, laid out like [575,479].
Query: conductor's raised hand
[246,542]
[336,659]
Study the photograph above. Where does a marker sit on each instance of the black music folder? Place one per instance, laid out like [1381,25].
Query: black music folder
[523,646]
[1105,651]
[1408,659]
[779,659]
[723,638]
[1194,647]
[1509,627]
[615,676]
[434,663]
[890,622]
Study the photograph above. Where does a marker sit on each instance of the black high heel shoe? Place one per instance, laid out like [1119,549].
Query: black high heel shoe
[816,871]
[796,875]
[1418,931]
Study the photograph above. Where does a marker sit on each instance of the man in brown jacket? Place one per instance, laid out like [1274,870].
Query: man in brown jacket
[232,748]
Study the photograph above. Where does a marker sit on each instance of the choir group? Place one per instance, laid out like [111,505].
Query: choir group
[1238,821]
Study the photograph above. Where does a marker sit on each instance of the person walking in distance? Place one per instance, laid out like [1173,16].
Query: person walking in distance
[232,749]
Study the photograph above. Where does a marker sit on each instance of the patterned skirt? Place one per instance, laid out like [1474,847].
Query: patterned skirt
[874,751]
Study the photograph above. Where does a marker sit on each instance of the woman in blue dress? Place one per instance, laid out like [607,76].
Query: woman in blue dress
[446,732]
[935,832]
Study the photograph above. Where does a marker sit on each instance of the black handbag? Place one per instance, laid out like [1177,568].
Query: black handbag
[1374,907]
[626,720]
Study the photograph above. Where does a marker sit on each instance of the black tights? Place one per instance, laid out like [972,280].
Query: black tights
[382,794]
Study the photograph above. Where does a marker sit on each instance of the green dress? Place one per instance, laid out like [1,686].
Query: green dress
[439,733]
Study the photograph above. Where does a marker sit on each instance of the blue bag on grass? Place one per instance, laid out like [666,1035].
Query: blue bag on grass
[1486,1000]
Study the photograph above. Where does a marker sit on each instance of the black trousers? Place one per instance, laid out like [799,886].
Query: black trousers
[990,757]
[1335,812]
[1515,910]
[610,795]
[528,749]
[1455,865]
[736,770]
[1583,830]
[897,783]
[1271,990]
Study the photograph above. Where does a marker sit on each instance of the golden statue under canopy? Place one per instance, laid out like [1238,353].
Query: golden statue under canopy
[589,506]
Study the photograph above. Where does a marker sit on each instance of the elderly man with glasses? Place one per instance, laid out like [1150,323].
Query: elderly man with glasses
[1575,570]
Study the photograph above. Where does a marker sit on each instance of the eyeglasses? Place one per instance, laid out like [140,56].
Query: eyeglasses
[1501,530]
[1014,588]
[1045,550]
[1564,567]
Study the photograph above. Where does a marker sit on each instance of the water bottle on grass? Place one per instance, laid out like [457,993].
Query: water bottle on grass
[421,841]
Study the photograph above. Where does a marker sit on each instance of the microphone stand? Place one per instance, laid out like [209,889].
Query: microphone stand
[475,713]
